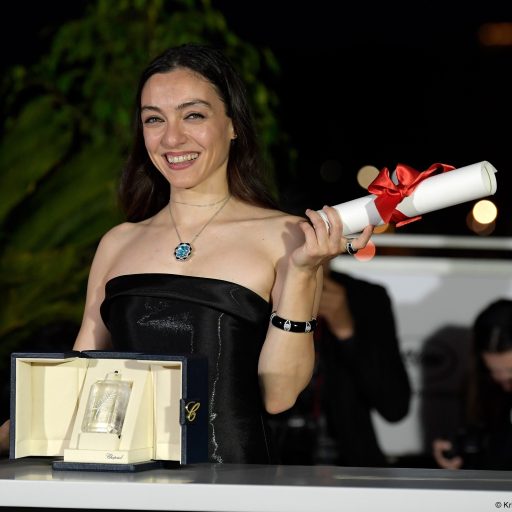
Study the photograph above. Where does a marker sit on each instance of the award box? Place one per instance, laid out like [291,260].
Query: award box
[99,410]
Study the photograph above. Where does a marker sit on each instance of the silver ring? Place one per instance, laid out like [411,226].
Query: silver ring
[350,249]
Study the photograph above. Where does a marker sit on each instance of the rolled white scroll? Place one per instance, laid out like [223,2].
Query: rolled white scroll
[434,193]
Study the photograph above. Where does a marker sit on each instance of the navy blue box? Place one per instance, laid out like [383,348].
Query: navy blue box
[166,418]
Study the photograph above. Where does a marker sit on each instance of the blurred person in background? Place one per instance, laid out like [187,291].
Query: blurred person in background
[484,439]
[359,369]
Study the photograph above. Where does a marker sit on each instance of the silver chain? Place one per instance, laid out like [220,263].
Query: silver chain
[226,199]
[201,205]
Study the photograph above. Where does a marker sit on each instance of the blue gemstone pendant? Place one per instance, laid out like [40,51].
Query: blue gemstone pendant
[183,251]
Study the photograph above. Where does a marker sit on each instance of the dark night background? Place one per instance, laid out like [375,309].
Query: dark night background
[378,83]
[366,83]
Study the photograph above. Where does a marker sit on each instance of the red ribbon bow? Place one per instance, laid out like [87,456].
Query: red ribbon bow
[390,194]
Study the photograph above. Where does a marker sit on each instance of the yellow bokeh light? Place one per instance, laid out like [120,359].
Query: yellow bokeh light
[383,228]
[366,175]
[495,34]
[485,212]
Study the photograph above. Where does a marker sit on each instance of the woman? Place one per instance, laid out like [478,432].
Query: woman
[206,256]
[485,442]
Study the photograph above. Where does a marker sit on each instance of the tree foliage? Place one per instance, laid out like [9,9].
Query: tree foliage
[66,134]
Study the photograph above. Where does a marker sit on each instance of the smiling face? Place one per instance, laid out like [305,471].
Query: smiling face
[500,367]
[187,133]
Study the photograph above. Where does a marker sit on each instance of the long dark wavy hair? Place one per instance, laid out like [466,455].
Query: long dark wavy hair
[492,333]
[143,191]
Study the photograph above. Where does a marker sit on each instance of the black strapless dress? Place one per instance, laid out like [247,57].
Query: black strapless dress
[224,321]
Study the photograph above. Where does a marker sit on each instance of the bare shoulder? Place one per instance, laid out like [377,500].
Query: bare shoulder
[287,227]
[285,222]
[113,242]
[120,235]
[120,232]
[275,219]
[280,229]
[252,211]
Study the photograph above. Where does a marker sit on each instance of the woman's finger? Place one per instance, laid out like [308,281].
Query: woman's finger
[362,240]
[322,230]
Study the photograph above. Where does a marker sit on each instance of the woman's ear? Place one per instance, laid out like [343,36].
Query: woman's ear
[233,132]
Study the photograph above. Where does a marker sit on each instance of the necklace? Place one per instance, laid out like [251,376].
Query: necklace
[183,250]
[202,205]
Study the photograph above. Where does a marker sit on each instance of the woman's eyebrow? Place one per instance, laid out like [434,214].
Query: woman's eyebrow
[181,106]
[192,103]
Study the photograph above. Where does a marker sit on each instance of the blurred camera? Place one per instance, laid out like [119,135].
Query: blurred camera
[468,444]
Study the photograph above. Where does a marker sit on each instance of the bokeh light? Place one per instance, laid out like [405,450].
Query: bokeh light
[485,211]
[367,253]
[495,34]
[366,175]
[384,228]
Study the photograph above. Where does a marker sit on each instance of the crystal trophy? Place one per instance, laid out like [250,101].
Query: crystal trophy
[106,405]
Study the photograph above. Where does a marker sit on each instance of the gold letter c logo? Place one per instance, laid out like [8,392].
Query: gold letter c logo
[191,409]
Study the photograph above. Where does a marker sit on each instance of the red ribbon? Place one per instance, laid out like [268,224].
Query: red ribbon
[389,194]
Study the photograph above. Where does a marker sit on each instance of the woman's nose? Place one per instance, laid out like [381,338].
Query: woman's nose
[174,135]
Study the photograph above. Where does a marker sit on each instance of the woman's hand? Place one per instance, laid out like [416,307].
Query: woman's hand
[439,446]
[324,243]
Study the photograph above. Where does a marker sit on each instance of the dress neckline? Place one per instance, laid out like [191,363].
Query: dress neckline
[137,275]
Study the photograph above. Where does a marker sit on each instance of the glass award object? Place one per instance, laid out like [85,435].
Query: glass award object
[106,405]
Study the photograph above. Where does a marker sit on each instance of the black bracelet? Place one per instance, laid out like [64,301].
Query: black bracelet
[290,325]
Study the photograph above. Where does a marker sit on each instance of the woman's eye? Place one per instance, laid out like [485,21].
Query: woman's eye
[194,115]
[151,120]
